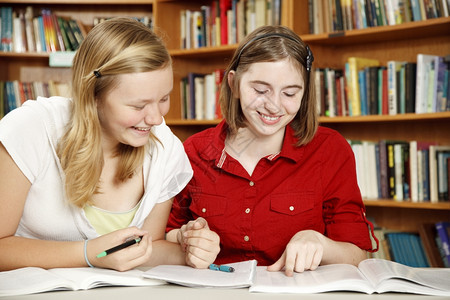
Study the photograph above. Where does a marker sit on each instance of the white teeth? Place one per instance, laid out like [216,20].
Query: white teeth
[269,118]
[142,129]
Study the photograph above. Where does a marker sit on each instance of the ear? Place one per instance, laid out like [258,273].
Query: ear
[230,79]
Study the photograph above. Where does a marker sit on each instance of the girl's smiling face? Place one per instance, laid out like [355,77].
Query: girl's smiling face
[139,101]
[270,95]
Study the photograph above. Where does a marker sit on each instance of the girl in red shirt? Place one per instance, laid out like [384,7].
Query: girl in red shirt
[269,183]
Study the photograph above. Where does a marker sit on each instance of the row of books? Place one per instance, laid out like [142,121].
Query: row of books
[403,171]
[200,95]
[365,87]
[14,93]
[427,248]
[226,22]
[24,30]
[338,15]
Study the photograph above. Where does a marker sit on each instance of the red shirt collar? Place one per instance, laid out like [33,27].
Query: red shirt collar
[214,150]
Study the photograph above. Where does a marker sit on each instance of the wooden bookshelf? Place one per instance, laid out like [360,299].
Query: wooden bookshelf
[398,42]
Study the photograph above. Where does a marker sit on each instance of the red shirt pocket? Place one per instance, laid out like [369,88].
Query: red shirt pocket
[292,203]
[210,207]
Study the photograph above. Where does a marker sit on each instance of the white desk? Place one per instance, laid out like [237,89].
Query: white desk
[169,292]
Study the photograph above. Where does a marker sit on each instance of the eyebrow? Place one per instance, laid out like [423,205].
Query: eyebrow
[286,87]
[150,100]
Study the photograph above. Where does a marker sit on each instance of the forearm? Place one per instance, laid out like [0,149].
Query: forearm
[166,253]
[18,252]
[341,252]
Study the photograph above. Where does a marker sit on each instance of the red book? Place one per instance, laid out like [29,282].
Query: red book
[225,5]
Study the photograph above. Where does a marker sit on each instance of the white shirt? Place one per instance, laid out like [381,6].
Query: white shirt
[30,135]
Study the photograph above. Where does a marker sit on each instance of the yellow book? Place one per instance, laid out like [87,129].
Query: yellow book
[356,64]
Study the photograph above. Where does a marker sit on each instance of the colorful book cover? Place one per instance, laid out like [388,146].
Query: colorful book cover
[6,14]
[356,64]
[443,230]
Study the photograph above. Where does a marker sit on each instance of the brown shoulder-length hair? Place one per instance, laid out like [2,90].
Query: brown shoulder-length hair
[270,44]
[113,47]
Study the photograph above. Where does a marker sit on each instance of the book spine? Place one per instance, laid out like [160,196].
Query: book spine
[391,170]
[443,229]
[7,28]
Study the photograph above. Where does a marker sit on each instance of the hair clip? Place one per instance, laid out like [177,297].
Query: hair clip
[97,74]
[309,59]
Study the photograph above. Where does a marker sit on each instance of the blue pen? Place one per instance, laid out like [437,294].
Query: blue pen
[221,268]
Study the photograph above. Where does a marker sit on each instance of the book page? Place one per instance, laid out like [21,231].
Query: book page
[336,277]
[35,280]
[87,278]
[191,277]
[31,280]
[389,276]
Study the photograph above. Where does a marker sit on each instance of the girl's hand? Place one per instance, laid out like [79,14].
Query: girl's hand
[303,252]
[124,259]
[200,243]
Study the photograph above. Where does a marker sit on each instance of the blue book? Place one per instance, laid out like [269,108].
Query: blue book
[363,92]
[419,251]
[10,97]
[406,248]
[395,248]
[6,13]
[443,230]
[415,7]
[42,33]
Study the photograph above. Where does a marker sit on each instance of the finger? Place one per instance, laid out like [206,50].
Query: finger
[131,256]
[317,259]
[279,264]
[291,260]
[139,249]
[140,254]
[200,223]
[308,260]
[132,232]
[190,225]
[196,259]
[201,233]
[207,245]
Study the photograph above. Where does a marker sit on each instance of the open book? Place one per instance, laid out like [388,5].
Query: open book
[35,280]
[187,276]
[371,276]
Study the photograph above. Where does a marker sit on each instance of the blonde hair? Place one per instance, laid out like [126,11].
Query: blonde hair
[270,44]
[116,46]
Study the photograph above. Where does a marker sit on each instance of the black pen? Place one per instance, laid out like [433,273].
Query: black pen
[120,247]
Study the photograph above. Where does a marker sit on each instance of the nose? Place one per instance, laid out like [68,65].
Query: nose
[272,104]
[153,115]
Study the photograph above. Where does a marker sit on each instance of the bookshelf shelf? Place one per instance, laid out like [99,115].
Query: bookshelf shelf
[200,52]
[405,204]
[15,55]
[406,31]
[181,122]
[387,118]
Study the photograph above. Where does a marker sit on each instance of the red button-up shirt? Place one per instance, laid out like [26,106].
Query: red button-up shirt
[309,187]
